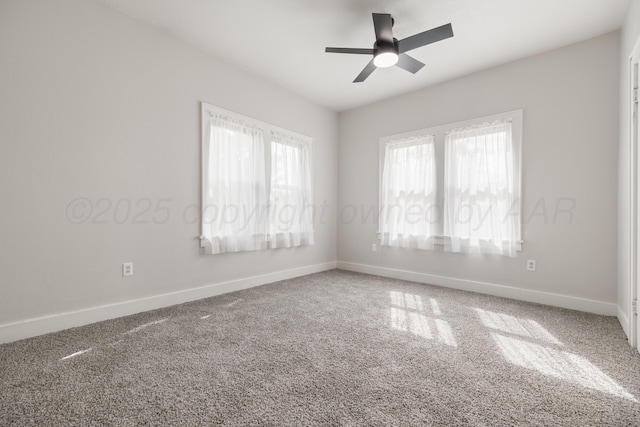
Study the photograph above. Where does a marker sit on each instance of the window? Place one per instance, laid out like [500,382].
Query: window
[480,212]
[462,192]
[256,185]
[408,192]
[291,220]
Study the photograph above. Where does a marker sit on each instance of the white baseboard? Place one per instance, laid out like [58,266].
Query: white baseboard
[624,321]
[56,322]
[556,300]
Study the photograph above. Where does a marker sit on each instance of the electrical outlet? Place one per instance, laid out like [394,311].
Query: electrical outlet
[531,264]
[127,269]
[374,247]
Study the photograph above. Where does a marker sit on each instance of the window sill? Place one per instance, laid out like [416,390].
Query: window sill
[441,241]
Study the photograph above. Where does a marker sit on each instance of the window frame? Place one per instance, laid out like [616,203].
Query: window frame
[206,111]
[439,132]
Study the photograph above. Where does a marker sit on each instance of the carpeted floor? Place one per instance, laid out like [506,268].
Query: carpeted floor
[333,348]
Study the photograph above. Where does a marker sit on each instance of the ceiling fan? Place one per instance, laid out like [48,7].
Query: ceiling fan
[388,51]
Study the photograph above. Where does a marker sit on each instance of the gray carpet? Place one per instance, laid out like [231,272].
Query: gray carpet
[334,348]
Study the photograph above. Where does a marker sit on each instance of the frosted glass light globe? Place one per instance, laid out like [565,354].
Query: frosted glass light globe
[385,59]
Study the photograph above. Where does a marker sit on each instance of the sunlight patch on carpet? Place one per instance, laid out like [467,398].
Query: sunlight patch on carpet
[403,300]
[445,334]
[513,325]
[407,313]
[146,325]
[435,307]
[233,303]
[559,364]
[77,353]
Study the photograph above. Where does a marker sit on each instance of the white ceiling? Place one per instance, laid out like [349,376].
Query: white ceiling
[283,41]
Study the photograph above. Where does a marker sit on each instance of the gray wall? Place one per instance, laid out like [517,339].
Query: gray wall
[629,34]
[570,102]
[96,105]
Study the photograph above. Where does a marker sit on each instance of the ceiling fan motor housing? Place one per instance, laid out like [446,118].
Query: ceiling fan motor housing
[381,46]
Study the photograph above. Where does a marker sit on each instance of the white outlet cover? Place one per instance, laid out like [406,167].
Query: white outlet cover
[127,269]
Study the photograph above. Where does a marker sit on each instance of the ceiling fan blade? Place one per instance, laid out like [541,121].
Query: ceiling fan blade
[425,38]
[349,50]
[366,72]
[383,25]
[408,63]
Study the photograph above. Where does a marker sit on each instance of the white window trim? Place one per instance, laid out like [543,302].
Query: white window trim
[439,132]
[206,111]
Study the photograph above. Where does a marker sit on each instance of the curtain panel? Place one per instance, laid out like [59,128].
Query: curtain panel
[481,207]
[234,195]
[408,210]
[290,193]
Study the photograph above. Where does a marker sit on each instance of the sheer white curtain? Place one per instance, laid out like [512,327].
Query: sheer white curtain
[481,208]
[235,209]
[290,197]
[408,211]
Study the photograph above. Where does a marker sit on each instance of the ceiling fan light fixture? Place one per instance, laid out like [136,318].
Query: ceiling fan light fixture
[385,59]
[387,49]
